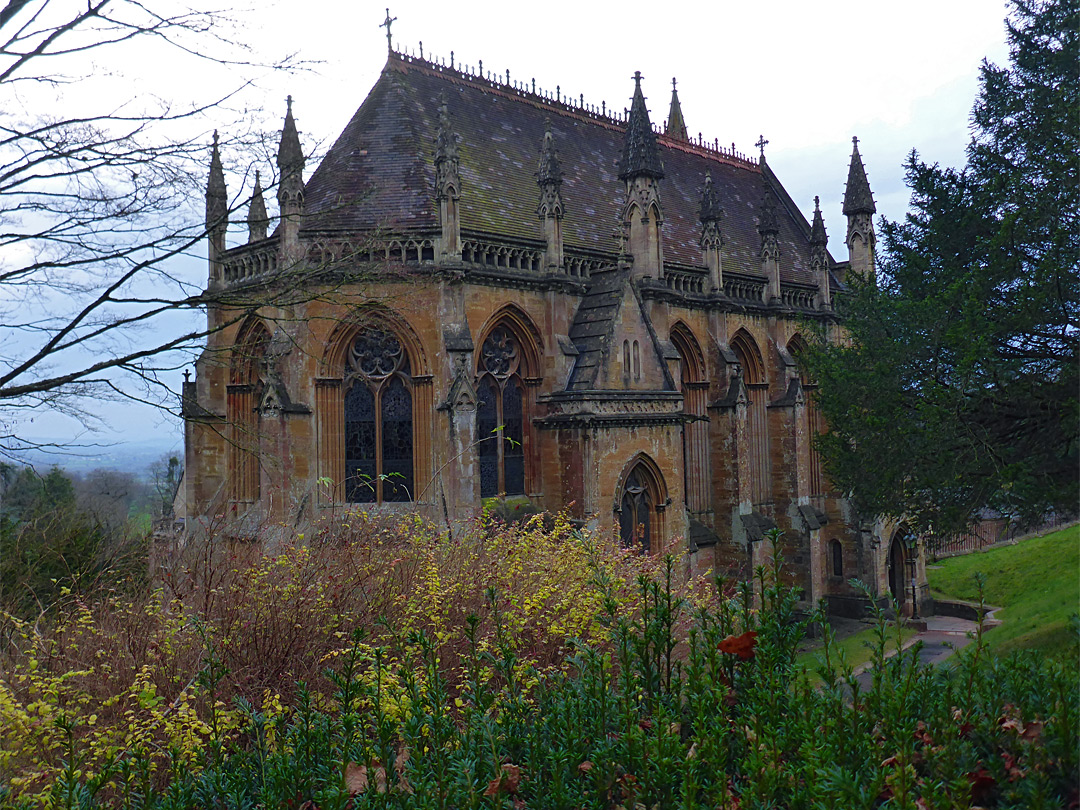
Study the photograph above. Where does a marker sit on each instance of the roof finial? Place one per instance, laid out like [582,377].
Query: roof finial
[761,144]
[386,24]
[288,104]
[855,141]
[637,79]
[676,125]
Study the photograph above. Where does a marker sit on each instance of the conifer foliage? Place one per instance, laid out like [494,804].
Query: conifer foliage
[957,388]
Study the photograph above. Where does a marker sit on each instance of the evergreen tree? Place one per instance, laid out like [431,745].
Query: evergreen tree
[957,388]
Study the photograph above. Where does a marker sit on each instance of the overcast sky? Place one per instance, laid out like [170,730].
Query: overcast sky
[807,76]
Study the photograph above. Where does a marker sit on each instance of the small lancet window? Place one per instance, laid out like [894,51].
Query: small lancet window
[837,558]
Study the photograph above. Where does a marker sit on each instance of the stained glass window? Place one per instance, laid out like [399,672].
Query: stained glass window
[635,512]
[378,420]
[500,417]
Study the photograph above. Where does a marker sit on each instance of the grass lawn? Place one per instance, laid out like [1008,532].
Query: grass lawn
[856,648]
[1036,582]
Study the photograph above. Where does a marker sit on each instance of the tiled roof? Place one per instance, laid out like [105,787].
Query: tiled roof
[380,173]
[593,324]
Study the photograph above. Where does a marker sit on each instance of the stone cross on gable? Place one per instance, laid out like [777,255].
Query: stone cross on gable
[386,24]
[761,143]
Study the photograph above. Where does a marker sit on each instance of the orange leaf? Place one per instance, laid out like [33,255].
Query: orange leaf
[742,646]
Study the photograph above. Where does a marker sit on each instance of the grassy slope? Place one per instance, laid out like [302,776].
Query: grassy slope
[1036,582]
[857,649]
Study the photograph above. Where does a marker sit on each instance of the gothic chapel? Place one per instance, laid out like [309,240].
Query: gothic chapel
[536,300]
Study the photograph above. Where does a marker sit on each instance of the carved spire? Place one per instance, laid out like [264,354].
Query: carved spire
[257,220]
[857,197]
[819,256]
[447,179]
[767,225]
[550,170]
[447,183]
[217,197]
[769,229]
[289,154]
[290,161]
[641,156]
[859,209]
[712,240]
[710,204]
[549,176]
[818,237]
[550,209]
[676,126]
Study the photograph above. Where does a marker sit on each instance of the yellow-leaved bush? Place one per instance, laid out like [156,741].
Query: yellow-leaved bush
[157,674]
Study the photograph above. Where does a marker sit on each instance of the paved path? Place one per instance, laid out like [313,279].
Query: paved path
[943,636]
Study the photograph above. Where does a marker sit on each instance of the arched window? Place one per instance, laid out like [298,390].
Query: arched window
[378,406]
[637,361]
[837,558]
[635,515]
[642,498]
[757,424]
[694,388]
[500,415]
[242,395]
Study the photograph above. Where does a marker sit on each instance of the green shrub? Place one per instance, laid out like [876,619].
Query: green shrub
[675,705]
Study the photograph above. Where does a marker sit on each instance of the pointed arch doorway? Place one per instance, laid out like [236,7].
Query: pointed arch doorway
[897,565]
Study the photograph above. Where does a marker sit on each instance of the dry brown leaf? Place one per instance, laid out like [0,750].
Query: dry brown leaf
[584,767]
[356,780]
[511,778]
[1033,731]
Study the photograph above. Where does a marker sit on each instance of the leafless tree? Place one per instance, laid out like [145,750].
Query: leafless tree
[101,189]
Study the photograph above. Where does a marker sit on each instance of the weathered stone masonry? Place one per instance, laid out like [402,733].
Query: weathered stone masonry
[507,295]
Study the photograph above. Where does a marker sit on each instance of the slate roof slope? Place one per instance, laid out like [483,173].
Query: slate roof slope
[380,172]
[593,325]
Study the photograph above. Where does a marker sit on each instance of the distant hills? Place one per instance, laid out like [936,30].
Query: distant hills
[94,454]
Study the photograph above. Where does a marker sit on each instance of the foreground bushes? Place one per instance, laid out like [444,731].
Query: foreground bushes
[671,705]
[109,675]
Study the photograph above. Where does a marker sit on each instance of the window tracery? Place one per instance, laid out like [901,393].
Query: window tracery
[378,407]
[635,513]
[500,417]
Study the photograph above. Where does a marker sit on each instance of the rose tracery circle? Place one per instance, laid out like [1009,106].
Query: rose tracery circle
[376,353]
[500,353]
